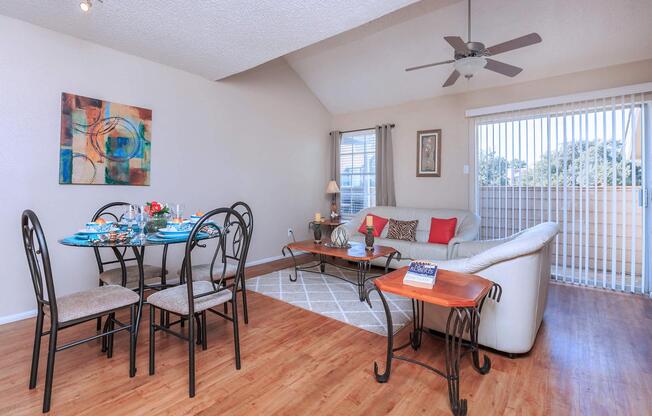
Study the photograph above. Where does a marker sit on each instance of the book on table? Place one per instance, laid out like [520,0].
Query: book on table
[421,273]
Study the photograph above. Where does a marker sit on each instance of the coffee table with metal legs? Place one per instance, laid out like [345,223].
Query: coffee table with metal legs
[356,254]
[464,295]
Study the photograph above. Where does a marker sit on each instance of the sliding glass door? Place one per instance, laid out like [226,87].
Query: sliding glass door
[581,165]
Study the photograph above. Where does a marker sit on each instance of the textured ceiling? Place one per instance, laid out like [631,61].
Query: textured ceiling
[364,68]
[212,38]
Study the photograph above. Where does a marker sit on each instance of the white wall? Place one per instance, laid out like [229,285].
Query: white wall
[453,188]
[260,137]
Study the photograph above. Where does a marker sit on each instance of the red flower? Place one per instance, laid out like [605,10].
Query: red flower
[155,207]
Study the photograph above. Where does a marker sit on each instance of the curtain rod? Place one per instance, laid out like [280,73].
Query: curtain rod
[368,128]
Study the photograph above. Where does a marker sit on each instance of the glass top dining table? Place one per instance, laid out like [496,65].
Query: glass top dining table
[138,244]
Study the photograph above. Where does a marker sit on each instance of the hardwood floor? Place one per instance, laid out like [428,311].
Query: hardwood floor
[593,356]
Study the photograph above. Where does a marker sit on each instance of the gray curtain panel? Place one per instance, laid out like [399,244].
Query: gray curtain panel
[335,156]
[385,194]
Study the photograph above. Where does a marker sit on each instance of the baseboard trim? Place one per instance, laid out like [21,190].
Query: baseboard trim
[32,313]
[17,317]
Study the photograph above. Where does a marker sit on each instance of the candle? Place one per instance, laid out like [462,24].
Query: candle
[370,221]
[318,217]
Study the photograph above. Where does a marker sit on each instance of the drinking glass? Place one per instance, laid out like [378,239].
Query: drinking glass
[178,211]
[130,217]
[141,219]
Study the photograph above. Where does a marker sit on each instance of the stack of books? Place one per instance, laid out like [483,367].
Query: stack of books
[421,273]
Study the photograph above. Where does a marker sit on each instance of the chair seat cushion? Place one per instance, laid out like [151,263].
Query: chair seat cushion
[114,276]
[202,272]
[175,299]
[90,302]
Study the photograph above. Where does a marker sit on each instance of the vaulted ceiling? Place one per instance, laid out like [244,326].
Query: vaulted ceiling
[365,67]
[352,54]
[213,38]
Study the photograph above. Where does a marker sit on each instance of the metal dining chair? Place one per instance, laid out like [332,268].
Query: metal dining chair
[222,259]
[124,275]
[69,310]
[192,299]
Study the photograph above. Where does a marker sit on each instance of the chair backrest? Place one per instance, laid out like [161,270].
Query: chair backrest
[244,210]
[113,211]
[233,224]
[38,260]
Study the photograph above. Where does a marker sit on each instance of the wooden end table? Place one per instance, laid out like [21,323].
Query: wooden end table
[464,295]
[356,254]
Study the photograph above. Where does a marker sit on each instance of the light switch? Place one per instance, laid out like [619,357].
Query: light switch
[466,169]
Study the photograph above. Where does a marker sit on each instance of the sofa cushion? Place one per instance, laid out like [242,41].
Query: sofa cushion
[379,225]
[442,230]
[428,251]
[402,230]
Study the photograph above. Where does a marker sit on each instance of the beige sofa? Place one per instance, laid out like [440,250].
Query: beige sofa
[521,265]
[468,225]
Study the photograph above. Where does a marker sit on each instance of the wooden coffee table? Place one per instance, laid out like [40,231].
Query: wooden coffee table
[464,295]
[356,254]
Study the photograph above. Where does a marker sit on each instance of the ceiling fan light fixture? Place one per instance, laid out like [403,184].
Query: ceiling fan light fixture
[470,65]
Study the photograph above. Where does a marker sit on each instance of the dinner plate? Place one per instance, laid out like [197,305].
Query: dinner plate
[90,231]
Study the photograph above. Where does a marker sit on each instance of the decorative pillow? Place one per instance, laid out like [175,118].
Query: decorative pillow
[442,230]
[379,225]
[402,230]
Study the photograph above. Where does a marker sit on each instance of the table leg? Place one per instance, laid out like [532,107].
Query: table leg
[396,254]
[363,267]
[296,270]
[417,324]
[383,378]
[458,319]
[138,253]
[322,264]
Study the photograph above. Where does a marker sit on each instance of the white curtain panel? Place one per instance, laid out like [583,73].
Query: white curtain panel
[581,165]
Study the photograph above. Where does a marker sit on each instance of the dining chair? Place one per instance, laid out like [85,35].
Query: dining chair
[124,275]
[69,310]
[222,259]
[193,298]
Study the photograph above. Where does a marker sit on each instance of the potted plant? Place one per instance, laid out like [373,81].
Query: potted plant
[158,216]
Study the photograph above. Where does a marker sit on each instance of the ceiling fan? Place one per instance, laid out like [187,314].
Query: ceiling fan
[470,57]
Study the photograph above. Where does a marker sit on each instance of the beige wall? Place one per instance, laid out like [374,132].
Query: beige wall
[452,189]
[260,137]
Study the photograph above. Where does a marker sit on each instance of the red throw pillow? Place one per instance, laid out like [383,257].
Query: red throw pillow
[442,230]
[379,225]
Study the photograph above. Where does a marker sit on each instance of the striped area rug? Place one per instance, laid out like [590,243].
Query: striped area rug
[333,298]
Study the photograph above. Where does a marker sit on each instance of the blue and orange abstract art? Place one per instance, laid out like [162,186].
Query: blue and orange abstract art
[104,143]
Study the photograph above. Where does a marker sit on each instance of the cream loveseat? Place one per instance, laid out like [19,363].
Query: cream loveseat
[468,225]
[520,264]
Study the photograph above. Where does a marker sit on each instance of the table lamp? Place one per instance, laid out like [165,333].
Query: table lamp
[333,189]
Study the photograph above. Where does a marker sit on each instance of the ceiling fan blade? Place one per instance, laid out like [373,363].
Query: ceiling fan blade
[429,65]
[451,79]
[510,45]
[457,43]
[502,68]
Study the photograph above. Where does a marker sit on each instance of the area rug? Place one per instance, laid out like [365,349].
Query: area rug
[333,298]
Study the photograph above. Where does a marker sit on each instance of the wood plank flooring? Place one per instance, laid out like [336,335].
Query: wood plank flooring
[593,356]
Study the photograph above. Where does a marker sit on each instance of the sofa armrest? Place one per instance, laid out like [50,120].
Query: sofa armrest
[467,231]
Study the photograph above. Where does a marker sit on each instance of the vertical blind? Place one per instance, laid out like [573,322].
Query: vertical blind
[357,172]
[580,165]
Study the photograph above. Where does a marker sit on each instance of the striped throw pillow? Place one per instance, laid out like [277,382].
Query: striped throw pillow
[402,230]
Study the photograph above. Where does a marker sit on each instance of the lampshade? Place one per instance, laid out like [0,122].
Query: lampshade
[332,188]
[470,65]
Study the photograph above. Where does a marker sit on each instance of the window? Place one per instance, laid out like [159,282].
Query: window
[357,172]
[579,165]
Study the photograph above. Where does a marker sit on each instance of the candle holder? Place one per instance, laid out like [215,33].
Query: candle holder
[316,230]
[369,239]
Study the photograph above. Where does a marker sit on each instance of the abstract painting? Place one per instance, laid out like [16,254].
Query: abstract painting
[429,153]
[104,143]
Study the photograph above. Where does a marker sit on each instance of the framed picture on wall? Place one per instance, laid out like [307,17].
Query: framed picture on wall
[429,153]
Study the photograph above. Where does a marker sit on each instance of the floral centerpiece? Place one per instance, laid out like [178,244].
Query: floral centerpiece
[158,214]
